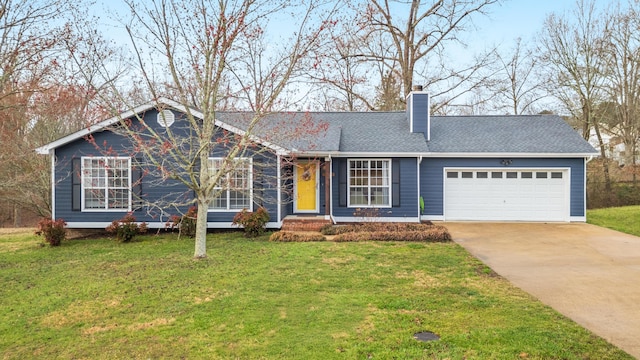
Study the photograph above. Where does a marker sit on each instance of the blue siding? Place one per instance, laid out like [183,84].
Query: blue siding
[408,190]
[432,178]
[153,188]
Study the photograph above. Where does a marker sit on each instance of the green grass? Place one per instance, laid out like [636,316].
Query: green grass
[625,219]
[255,299]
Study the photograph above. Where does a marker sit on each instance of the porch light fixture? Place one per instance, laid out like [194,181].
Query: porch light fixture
[506,162]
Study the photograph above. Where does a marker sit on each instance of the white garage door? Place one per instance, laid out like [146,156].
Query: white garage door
[514,194]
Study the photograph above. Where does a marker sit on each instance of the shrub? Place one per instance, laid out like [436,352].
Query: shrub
[126,228]
[432,234]
[374,227]
[52,230]
[253,222]
[186,224]
[289,236]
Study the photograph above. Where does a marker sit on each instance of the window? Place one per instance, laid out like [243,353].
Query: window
[481,175]
[106,183]
[233,189]
[541,175]
[496,175]
[369,183]
[556,175]
[452,174]
[512,175]
[467,175]
[527,175]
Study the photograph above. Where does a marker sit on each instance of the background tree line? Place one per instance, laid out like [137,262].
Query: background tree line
[60,71]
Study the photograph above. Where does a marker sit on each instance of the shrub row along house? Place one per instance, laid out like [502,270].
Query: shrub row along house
[402,166]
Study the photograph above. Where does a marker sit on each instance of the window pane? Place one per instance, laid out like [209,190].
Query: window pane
[482,175]
[526,175]
[452,174]
[512,175]
[467,175]
[541,175]
[94,199]
[359,196]
[496,175]
[119,199]
[556,175]
[379,196]
[238,200]
[219,202]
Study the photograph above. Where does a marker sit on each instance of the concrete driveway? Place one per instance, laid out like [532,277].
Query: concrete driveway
[588,273]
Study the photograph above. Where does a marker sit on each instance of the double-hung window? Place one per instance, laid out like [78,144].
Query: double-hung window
[233,188]
[369,183]
[106,183]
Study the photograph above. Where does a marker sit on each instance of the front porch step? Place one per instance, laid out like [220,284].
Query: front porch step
[304,223]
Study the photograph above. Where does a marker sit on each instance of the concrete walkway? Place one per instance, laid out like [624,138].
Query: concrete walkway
[588,273]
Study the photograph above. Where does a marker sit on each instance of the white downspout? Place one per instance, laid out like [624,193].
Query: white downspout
[419,160]
[330,180]
[279,188]
[53,183]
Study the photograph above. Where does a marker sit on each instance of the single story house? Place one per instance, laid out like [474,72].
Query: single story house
[403,166]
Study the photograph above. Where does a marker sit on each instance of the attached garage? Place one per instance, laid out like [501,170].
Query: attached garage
[499,194]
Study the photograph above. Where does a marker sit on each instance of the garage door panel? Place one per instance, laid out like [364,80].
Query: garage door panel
[523,194]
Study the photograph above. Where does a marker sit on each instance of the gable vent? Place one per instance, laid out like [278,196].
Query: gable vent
[166,118]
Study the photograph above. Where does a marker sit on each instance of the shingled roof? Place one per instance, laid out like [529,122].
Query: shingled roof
[384,133]
[538,134]
[388,132]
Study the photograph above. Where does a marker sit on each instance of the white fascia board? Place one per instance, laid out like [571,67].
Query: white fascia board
[512,155]
[440,155]
[44,150]
[95,127]
[361,154]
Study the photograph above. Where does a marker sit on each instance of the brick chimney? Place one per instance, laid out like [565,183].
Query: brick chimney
[418,112]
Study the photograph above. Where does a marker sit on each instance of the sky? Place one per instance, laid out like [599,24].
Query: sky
[517,18]
[506,22]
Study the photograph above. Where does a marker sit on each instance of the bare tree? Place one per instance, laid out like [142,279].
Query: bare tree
[418,37]
[572,52]
[32,82]
[622,56]
[196,52]
[518,86]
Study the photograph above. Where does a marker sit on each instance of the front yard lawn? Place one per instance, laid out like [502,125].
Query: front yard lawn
[625,219]
[256,299]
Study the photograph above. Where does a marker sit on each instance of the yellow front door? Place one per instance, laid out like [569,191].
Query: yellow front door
[306,189]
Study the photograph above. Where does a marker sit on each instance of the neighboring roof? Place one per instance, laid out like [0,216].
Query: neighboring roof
[384,133]
[520,134]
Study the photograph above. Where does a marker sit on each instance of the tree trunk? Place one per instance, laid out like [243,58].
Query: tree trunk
[201,231]
[605,159]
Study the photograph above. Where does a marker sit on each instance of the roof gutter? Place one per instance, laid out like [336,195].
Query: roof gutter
[440,155]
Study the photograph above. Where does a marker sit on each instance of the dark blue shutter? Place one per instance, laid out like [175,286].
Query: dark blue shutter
[76,184]
[136,183]
[342,182]
[395,182]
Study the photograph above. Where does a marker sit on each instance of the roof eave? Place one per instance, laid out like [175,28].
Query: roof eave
[510,154]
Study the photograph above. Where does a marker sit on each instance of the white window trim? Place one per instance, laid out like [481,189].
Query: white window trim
[83,188]
[390,184]
[227,190]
